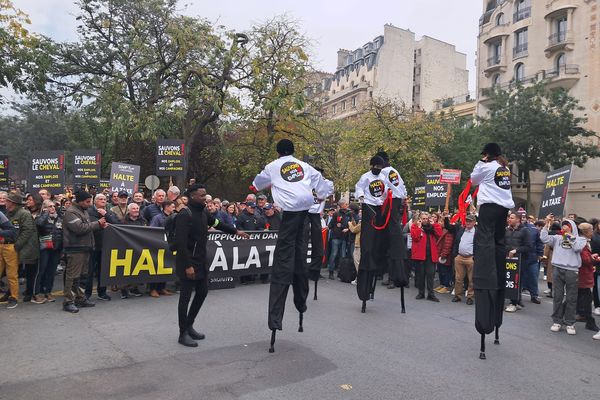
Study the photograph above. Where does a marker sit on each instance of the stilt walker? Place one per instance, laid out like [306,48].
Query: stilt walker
[372,189]
[292,182]
[394,241]
[315,235]
[494,199]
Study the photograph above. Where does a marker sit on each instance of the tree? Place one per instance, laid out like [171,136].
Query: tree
[23,55]
[539,129]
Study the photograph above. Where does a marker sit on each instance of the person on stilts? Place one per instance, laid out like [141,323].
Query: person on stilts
[292,182]
[489,252]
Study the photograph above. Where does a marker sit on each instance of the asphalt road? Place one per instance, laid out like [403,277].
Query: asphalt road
[127,349]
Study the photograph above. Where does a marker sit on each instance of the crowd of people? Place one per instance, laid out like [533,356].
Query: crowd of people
[39,232]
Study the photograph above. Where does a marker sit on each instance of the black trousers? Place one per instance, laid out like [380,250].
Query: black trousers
[288,255]
[489,248]
[424,273]
[32,274]
[316,242]
[188,316]
[584,305]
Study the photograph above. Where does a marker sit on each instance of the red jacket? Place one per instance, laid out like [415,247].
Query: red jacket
[419,242]
[586,272]
[444,247]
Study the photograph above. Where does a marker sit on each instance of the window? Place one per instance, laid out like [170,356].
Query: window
[343,87]
[522,10]
[561,29]
[519,72]
[496,80]
[344,105]
[334,108]
[521,43]
[353,101]
[561,61]
[495,53]
[500,19]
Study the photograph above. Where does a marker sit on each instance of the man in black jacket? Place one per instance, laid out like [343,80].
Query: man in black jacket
[517,244]
[191,231]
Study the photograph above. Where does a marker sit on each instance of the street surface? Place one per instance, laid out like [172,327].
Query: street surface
[127,349]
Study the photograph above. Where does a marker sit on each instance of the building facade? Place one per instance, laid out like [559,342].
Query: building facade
[555,41]
[395,66]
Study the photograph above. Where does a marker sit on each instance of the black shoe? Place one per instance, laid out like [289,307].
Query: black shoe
[12,303]
[70,308]
[135,292]
[536,300]
[85,303]
[104,297]
[456,299]
[4,298]
[331,275]
[420,296]
[469,302]
[186,340]
[195,335]
[591,326]
[124,294]
[433,298]
[26,299]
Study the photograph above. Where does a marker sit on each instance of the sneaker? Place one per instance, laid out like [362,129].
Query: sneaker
[4,298]
[154,293]
[353,282]
[535,300]
[596,336]
[545,278]
[520,306]
[71,308]
[38,299]
[166,292]
[50,298]
[597,311]
[27,299]
[571,330]
[12,303]
[104,297]
[135,292]
[438,288]
[444,290]
[469,301]
[547,291]
[124,294]
[453,293]
[555,327]
[511,308]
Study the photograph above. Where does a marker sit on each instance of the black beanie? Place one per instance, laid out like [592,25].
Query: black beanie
[383,155]
[492,150]
[377,161]
[285,147]
[82,195]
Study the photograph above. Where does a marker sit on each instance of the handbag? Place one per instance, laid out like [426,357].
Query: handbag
[46,242]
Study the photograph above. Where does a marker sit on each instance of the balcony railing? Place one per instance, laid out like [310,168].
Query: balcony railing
[566,69]
[523,13]
[495,60]
[520,50]
[557,38]
[455,101]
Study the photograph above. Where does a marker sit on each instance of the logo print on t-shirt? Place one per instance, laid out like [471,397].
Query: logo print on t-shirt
[394,178]
[376,188]
[502,178]
[292,172]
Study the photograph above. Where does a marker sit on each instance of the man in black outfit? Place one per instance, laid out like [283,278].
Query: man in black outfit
[191,230]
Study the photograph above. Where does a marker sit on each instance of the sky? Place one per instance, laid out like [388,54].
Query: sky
[330,24]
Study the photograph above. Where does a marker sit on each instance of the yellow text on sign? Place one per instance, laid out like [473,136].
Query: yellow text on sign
[145,262]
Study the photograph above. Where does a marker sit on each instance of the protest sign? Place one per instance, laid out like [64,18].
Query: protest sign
[47,171]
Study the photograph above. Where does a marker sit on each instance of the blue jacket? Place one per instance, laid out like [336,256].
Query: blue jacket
[7,230]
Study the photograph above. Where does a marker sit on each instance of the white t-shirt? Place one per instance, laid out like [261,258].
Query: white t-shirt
[494,184]
[292,182]
[397,184]
[373,188]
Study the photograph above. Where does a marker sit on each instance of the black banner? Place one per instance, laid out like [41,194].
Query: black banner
[124,177]
[134,254]
[47,171]
[435,192]
[86,168]
[554,195]
[4,174]
[170,157]
[418,200]
[513,278]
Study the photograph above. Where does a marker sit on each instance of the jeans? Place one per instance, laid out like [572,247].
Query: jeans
[530,278]
[565,287]
[338,247]
[445,274]
[48,263]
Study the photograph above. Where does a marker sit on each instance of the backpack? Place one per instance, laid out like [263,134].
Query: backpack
[346,270]
[170,224]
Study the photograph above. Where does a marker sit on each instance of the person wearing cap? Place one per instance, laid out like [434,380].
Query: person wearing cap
[462,251]
[120,210]
[272,218]
[292,183]
[26,244]
[78,242]
[250,220]
[9,259]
